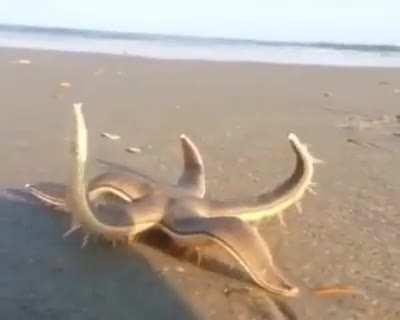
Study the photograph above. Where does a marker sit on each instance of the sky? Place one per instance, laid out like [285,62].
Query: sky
[343,21]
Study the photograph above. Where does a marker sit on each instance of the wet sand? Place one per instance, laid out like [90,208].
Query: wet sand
[239,114]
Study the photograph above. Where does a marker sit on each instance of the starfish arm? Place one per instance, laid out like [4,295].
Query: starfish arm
[192,179]
[77,200]
[124,186]
[242,241]
[54,198]
[110,185]
[272,203]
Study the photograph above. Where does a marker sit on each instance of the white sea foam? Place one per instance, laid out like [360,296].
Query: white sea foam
[187,48]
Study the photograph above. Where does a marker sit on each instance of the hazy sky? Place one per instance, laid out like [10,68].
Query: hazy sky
[360,21]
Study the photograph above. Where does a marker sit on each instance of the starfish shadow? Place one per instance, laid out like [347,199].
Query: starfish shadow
[44,277]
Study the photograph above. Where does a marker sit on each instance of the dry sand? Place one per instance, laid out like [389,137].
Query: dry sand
[239,114]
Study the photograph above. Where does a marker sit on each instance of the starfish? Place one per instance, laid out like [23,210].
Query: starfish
[188,216]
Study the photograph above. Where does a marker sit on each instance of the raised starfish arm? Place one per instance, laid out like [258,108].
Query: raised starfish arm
[192,179]
[243,242]
[271,203]
[77,200]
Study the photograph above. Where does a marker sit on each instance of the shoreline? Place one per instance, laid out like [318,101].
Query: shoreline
[169,47]
[193,60]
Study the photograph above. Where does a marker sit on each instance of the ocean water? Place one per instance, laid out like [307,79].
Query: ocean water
[195,48]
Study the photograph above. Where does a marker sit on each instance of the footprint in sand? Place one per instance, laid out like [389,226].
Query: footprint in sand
[358,123]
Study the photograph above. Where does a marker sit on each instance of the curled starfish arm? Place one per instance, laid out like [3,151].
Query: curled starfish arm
[130,186]
[241,241]
[192,179]
[123,186]
[53,198]
[283,196]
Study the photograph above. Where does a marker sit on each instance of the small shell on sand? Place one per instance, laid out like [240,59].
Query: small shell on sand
[327,94]
[133,150]
[165,269]
[110,136]
[99,71]
[180,269]
[22,61]
[65,84]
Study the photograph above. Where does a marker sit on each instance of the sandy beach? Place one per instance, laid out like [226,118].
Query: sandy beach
[239,114]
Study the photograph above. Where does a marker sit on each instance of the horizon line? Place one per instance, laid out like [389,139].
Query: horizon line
[113,34]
